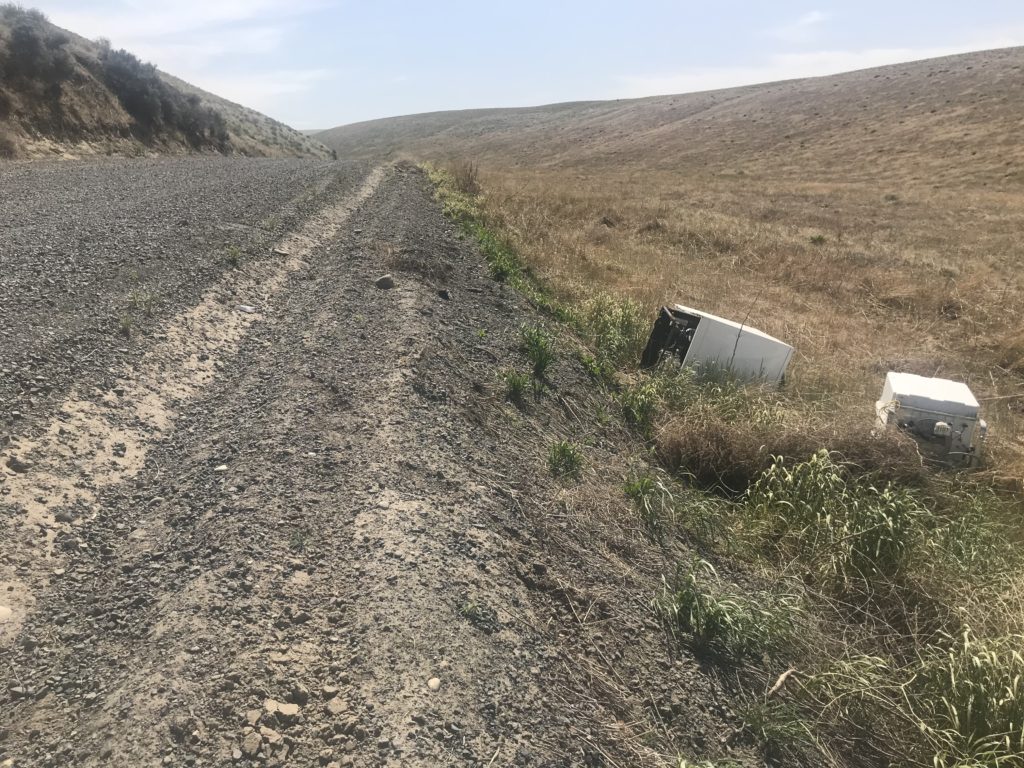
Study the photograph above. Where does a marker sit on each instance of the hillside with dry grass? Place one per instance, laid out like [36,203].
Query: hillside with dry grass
[63,95]
[872,218]
[866,602]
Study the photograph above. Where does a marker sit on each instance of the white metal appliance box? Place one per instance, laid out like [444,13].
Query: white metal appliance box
[942,414]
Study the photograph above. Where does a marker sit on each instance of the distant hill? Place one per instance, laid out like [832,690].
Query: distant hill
[954,119]
[61,93]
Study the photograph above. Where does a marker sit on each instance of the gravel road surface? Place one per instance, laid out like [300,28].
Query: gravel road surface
[256,510]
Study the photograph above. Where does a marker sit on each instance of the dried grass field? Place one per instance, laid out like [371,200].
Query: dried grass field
[859,278]
[873,220]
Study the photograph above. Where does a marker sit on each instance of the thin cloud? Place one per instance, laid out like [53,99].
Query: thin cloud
[262,90]
[126,21]
[789,66]
[205,42]
[802,30]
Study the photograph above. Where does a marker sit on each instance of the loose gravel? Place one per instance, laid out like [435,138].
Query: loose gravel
[343,547]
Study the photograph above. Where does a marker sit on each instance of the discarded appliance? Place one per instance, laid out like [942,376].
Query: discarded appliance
[697,339]
[942,415]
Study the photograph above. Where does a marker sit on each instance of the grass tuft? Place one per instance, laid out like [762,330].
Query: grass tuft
[565,459]
[539,347]
[729,625]
[515,385]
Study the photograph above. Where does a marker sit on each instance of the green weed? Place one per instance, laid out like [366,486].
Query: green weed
[297,539]
[655,502]
[515,385]
[142,300]
[539,347]
[565,459]
[853,536]
[729,625]
[617,329]
[233,256]
[639,404]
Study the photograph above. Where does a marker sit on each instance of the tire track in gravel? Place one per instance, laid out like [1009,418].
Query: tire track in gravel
[347,510]
[102,438]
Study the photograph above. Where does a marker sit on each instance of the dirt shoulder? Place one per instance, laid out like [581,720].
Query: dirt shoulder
[338,543]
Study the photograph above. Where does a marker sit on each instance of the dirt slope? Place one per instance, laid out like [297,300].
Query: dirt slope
[950,120]
[63,94]
[292,519]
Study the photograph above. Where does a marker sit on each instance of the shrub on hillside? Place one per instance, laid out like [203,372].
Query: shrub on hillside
[156,106]
[36,59]
[8,146]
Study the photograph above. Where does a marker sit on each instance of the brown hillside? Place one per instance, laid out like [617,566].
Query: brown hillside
[61,93]
[871,218]
[950,119]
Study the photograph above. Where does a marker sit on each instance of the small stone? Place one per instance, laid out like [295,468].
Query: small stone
[20,465]
[336,706]
[252,717]
[384,282]
[444,294]
[251,744]
[434,684]
[270,705]
[246,309]
[236,754]
[220,469]
[329,691]
[288,711]
[299,694]
[272,736]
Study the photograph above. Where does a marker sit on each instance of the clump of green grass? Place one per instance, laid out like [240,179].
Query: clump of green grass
[853,536]
[654,501]
[142,300]
[125,325]
[616,327]
[539,347]
[972,694]
[598,369]
[724,624]
[297,539]
[565,459]
[233,256]
[515,385]
[639,404]
[817,239]
[958,703]
[502,262]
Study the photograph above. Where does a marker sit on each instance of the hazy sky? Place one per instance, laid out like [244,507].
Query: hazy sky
[320,63]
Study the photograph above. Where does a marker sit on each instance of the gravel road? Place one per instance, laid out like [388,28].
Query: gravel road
[258,511]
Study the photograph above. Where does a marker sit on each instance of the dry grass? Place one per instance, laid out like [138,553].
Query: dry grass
[926,285]
[866,261]
[871,219]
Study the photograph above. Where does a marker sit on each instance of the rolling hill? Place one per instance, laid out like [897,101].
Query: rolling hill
[62,94]
[875,212]
[952,119]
